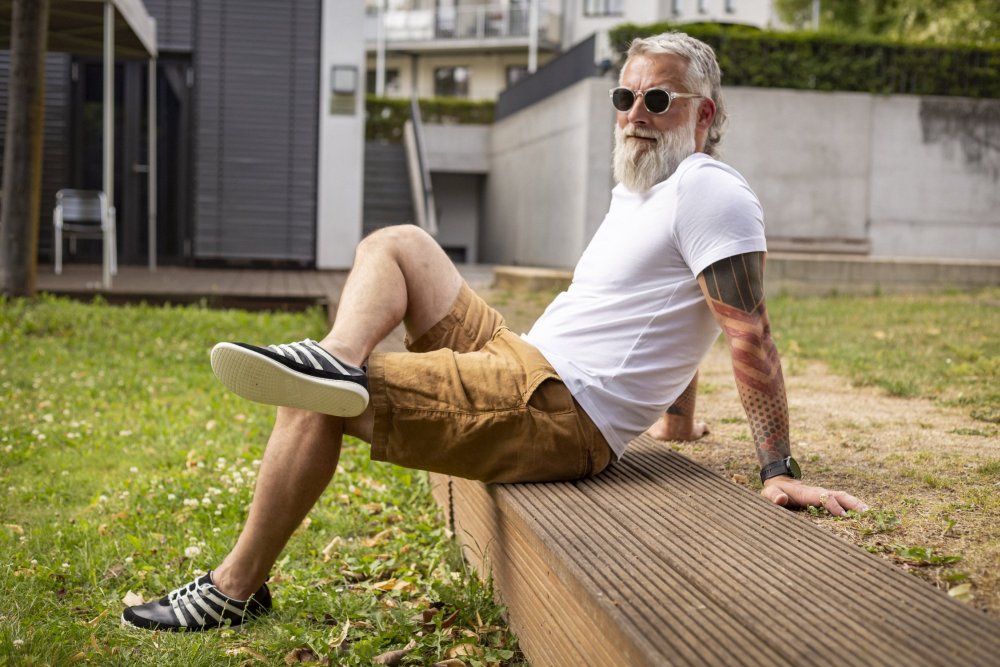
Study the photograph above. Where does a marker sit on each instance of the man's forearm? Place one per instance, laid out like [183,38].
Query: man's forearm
[734,290]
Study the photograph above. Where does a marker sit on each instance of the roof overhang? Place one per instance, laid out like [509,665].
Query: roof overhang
[77,26]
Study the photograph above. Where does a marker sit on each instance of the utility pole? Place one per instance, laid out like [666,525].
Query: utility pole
[22,158]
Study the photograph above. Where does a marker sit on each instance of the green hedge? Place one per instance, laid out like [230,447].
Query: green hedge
[385,116]
[834,61]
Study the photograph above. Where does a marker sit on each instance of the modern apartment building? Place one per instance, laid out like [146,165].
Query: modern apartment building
[476,48]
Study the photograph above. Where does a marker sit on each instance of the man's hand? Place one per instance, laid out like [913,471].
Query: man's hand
[788,492]
[668,427]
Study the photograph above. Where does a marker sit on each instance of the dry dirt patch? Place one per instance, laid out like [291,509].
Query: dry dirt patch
[914,462]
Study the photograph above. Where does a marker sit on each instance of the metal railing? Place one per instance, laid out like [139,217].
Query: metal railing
[461,23]
[419,170]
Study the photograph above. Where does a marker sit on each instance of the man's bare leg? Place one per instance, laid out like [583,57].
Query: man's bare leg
[400,274]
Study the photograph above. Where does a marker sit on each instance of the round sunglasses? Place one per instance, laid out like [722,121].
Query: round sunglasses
[656,100]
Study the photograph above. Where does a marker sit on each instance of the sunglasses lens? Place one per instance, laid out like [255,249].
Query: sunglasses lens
[622,99]
[657,101]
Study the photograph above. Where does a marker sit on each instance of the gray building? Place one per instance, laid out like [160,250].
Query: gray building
[238,124]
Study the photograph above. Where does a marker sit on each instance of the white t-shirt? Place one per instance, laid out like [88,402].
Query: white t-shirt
[629,333]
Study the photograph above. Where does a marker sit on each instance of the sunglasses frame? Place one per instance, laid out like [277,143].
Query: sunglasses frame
[671,96]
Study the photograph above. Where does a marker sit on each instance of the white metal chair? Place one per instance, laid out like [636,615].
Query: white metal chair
[85,214]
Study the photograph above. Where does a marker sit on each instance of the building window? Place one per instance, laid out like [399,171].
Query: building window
[730,6]
[391,81]
[675,7]
[515,73]
[703,6]
[452,81]
[603,7]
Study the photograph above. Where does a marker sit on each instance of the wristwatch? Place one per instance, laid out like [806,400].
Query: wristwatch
[785,466]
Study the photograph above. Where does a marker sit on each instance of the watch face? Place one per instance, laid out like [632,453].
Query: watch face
[793,468]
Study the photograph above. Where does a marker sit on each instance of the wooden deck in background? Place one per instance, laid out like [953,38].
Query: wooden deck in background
[658,561]
[237,288]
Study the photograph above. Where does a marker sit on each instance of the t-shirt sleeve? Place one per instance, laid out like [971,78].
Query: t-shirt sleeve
[718,216]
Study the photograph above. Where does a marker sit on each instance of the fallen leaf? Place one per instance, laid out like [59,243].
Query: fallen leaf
[339,639]
[472,650]
[378,539]
[450,662]
[246,650]
[394,657]
[94,621]
[301,654]
[450,621]
[14,528]
[132,599]
[330,548]
[387,585]
[962,592]
[739,479]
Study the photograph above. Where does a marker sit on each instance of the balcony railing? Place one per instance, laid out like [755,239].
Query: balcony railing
[462,23]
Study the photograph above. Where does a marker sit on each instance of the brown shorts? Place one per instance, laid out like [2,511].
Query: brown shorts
[474,400]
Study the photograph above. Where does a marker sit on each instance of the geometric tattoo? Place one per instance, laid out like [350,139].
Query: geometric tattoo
[734,289]
[685,403]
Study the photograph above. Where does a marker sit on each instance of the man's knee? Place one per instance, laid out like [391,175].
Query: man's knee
[395,239]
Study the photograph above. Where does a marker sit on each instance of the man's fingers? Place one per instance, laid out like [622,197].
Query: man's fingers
[849,502]
[775,495]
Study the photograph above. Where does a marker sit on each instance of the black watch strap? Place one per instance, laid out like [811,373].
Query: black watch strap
[786,466]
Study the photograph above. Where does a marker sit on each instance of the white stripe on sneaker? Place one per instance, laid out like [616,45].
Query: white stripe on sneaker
[307,353]
[316,348]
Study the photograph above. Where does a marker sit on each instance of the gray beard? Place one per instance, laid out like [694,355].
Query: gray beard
[639,166]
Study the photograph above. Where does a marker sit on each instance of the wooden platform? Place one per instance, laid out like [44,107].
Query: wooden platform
[659,561]
[251,289]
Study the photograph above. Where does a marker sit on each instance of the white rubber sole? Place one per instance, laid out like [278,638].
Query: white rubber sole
[262,380]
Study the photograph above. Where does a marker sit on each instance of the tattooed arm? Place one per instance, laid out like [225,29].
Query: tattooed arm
[678,423]
[734,290]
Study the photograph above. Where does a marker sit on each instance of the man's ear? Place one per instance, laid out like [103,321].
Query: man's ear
[706,113]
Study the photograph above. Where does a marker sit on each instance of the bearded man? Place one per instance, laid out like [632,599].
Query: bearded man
[679,255]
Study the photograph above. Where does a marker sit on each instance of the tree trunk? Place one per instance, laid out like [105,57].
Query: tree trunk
[22,159]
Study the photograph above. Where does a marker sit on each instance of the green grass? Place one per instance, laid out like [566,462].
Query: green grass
[943,347]
[124,466]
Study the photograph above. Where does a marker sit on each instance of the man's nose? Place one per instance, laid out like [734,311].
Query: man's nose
[638,115]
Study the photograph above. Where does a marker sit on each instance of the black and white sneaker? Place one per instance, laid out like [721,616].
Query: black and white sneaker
[197,606]
[297,375]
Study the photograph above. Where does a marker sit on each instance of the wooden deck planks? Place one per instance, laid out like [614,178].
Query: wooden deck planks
[658,561]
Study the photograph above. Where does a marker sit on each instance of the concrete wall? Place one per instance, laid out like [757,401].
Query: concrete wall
[911,176]
[550,180]
[889,176]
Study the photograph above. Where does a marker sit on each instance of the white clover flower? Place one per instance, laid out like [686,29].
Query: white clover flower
[133,470]
[18,643]
[192,552]
[102,499]
[129,560]
[191,502]
[171,496]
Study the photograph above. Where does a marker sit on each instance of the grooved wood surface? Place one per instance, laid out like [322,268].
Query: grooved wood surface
[658,561]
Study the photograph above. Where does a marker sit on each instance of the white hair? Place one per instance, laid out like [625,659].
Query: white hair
[703,75]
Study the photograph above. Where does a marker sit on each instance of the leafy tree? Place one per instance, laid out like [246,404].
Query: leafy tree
[938,21]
